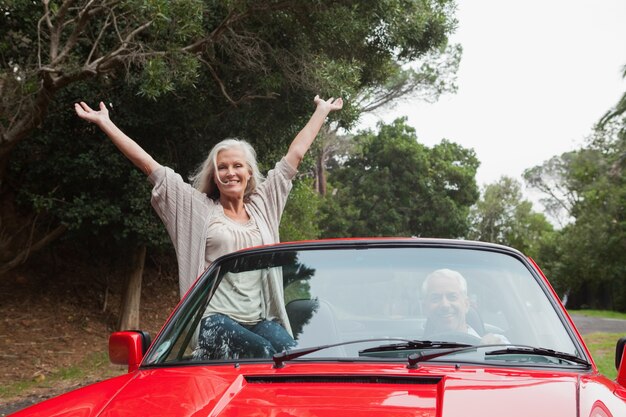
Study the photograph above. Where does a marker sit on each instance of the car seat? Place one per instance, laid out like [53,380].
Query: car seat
[313,323]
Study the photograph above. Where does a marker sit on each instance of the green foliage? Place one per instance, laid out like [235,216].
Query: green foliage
[602,349]
[233,52]
[587,256]
[618,110]
[606,314]
[247,48]
[503,216]
[219,69]
[70,174]
[301,215]
[394,186]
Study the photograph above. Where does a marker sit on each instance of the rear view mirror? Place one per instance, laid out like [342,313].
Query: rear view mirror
[619,364]
[619,351]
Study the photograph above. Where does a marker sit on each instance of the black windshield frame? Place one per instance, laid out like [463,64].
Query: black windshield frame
[283,255]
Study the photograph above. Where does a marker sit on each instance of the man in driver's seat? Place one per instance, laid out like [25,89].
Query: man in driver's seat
[447,304]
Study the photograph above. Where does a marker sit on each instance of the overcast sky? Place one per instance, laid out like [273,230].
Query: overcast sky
[534,78]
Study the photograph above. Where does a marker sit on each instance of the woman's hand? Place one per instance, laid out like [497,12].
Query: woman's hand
[305,137]
[329,105]
[87,113]
[129,147]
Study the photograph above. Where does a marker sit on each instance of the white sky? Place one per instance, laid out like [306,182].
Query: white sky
[534,78]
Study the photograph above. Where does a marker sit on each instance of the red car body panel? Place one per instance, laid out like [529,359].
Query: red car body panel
[342,388]
[359,389]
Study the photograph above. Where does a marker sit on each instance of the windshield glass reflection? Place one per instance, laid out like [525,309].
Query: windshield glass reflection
[305,298]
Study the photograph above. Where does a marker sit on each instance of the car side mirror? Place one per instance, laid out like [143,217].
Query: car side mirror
[128,348]
[619,364]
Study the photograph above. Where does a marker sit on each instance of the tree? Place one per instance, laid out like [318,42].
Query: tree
[394,186]
[551,179]
[605,123]
[503,216]
[222,61]
[427,80]
[98,197]
[300,219]
[50,46]
[240,52]
[618,110]
[588,257]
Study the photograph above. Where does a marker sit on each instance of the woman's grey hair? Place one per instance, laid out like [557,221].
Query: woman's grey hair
[203,179]
[449,273]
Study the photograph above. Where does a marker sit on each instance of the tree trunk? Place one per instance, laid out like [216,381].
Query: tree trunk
[129,314]
[320,173]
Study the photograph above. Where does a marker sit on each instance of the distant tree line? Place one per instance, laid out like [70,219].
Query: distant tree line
[586,258]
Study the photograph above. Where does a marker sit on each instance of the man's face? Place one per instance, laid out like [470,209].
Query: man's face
[446,305]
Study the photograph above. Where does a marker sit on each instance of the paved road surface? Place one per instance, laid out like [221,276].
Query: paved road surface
[588,325]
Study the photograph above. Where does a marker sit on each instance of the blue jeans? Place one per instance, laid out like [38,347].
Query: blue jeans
[221,337]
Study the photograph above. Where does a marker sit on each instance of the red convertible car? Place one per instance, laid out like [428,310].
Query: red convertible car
[376,327]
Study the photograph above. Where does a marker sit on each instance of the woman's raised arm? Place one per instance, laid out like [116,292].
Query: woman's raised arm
[135,153]
[303,140]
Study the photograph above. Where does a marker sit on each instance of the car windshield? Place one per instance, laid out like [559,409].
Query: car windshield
[312,296]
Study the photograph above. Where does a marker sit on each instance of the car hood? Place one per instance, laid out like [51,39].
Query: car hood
[346,390]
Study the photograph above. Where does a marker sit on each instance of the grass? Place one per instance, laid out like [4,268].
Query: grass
[602,348]
[599,313]
[602,345]
[94,366]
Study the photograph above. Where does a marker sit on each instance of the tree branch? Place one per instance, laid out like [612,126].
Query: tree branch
[22,257]
[63,9]
[83,19]
[219,82]
[46,14]
[96,43]
[56,30]
[198,45]
[104,60]
[39,22]
[117,29]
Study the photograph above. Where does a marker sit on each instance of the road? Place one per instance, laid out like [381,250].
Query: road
[588,325]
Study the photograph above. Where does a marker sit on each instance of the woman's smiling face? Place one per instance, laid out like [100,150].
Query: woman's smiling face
[232,173]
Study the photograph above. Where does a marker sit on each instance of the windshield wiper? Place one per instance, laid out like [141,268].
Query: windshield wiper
[530,350]
[415,344]
[287,355]
[282,357]
[415,358]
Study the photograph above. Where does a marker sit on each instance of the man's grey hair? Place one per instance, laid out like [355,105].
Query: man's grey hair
[448,273]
